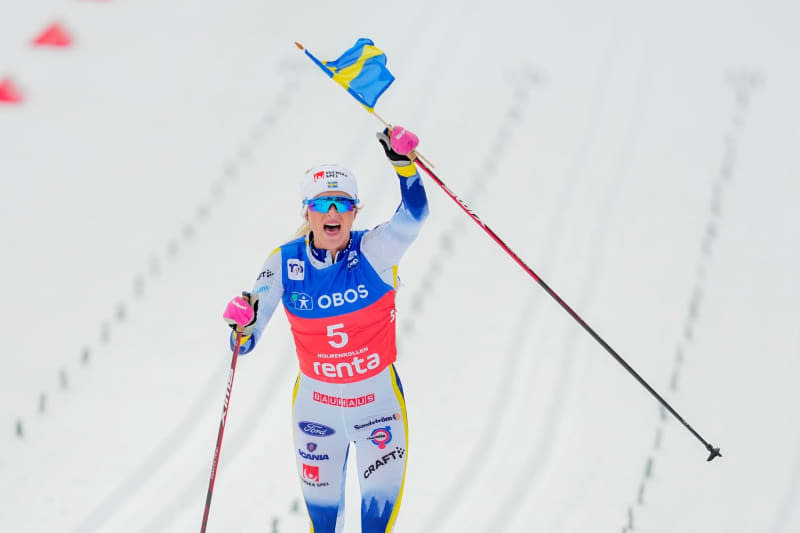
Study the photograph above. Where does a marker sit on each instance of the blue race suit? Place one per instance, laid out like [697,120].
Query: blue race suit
[342,314]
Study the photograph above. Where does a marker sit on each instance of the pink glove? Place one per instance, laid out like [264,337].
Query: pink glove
[403,141]
[238,312]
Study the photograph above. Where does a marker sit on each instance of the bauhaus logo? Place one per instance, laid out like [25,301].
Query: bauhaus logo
[338,401]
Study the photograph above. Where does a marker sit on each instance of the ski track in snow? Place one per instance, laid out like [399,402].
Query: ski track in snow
[743,83]
[448,239]
[789,507]
[165,511]
[503,516]
[170,511]
[170,445]
[188,232]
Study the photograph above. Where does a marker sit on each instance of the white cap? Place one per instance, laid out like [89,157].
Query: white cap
[328,178]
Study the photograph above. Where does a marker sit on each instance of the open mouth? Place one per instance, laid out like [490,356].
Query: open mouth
[332,229]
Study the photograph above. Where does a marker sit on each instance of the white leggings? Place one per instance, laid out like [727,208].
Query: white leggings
[327,418]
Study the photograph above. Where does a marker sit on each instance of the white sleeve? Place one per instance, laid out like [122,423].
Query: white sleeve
[384,245]
[269,288]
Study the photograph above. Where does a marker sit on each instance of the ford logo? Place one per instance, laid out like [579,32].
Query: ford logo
[314,429]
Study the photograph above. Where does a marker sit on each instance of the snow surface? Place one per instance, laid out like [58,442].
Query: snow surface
[642,157]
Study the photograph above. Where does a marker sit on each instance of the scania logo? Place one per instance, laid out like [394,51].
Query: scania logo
[314,429]
[312,456]
[337,299]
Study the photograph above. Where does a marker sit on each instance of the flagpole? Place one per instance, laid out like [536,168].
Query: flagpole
[388,126]
[413,154]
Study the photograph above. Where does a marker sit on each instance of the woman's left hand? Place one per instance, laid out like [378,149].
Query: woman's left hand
[403,141]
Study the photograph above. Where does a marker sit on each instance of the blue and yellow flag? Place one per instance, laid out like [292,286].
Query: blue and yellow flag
[361,70]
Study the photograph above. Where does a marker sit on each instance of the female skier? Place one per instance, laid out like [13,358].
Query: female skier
[338,291]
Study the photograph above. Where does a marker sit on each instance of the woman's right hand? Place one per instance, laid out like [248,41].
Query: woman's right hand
[239,313]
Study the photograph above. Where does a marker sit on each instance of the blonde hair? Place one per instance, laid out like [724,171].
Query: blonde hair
[304,229]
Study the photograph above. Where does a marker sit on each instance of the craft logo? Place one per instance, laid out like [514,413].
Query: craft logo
[265,274]
[344,402]
[296,268]
[311,446]
[393,417]
[316,430]
[302,301]
[394,455]
[319,175]
[311,473]
[380,437]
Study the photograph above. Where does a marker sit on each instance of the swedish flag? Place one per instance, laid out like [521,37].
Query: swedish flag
[361,70]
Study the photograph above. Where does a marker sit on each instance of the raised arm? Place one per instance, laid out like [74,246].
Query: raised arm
[385,244]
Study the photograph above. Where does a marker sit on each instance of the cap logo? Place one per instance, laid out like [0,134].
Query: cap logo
[319,175]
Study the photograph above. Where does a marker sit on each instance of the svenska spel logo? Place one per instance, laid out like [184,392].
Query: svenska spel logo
[311,473]
[319,175]
[380,437]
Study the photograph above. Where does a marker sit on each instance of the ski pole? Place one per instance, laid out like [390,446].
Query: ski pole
[714,452]
[221,427]
[352,62]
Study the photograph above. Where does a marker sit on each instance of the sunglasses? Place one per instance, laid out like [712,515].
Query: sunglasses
[323,204]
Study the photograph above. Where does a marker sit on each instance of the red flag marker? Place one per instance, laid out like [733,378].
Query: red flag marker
[54,35]
[9,93]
